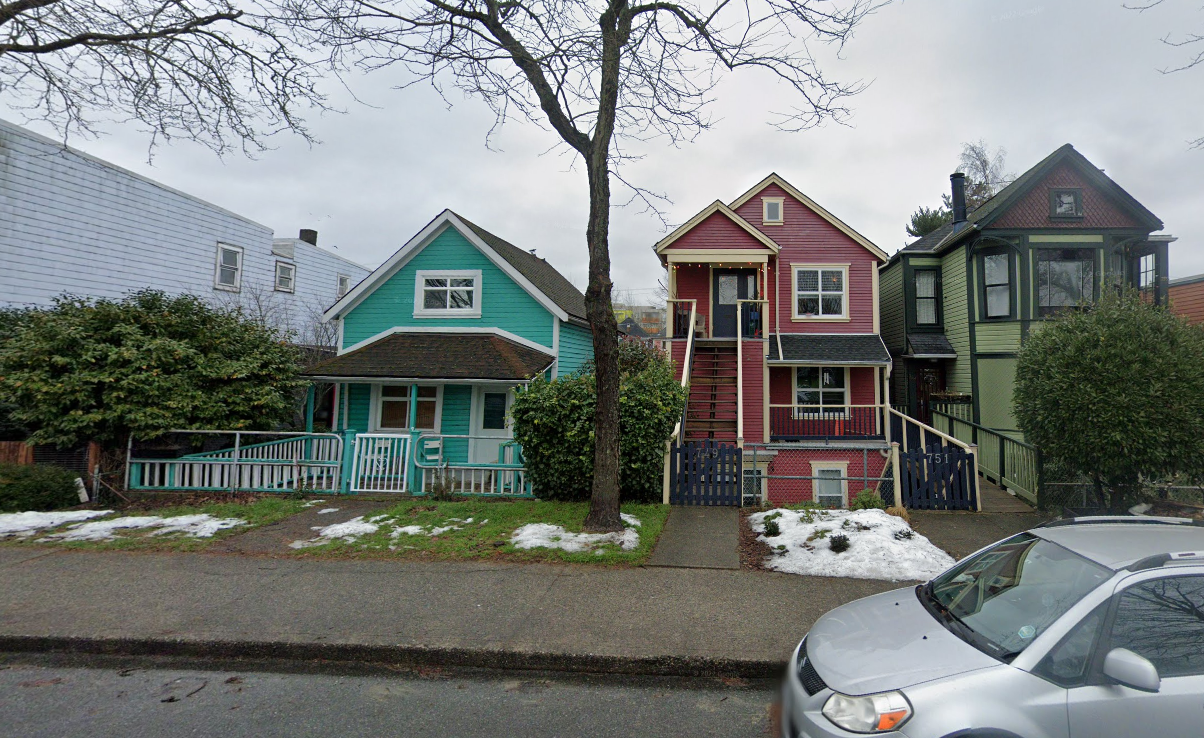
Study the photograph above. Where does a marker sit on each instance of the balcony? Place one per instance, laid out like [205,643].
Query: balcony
[831,422]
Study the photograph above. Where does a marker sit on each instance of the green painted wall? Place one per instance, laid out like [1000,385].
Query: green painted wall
[996,378]
[504,304]
[576,347]
[997,338]
[891,307]
[956,319]
[359,397]
[457,406]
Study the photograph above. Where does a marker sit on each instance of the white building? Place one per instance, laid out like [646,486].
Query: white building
[73,224]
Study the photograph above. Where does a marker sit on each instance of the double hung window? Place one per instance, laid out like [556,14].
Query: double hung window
[286,277]
[997,284]
[228,273]
[926,307]
[823,389]
[820,292]
[394,412]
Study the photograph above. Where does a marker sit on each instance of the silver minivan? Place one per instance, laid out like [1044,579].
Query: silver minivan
[1081,627]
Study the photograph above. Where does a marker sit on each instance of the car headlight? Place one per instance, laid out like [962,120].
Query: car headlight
[873,713]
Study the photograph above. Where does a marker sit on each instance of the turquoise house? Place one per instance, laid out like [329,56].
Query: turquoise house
[433,345]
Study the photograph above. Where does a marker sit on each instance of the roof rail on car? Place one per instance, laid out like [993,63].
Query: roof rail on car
[1157,560]
[1121,520]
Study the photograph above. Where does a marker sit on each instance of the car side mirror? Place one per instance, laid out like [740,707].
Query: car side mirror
[1132,670]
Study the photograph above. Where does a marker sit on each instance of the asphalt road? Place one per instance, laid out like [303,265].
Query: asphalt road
[42,700]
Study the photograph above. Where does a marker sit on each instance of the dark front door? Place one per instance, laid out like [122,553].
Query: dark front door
[728,286]
[930,378]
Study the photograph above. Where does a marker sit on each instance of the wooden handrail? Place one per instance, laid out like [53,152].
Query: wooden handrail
[925,429]
[687,360]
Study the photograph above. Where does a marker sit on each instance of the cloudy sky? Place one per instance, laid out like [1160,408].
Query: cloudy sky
[1026,76]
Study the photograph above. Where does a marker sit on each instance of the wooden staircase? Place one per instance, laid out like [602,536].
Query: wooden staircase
[711,408]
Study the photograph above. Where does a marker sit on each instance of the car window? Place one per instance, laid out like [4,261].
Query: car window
[1066,664]
[1010,593]
[1163,620]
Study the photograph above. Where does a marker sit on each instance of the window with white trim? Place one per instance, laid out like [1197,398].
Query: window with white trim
[227,273]
[819,292]
[829,486]
[286,277]
[455,294]
[393,410]
[821,388]
[343,285]
[771,211]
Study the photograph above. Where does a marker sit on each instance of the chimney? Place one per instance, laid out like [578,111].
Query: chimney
[310,236]
[959,197]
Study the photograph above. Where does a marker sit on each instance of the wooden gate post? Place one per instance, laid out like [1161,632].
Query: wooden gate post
[665,482]
[974,478]
[895,461]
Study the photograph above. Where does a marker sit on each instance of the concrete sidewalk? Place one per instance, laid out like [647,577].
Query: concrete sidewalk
[651,621]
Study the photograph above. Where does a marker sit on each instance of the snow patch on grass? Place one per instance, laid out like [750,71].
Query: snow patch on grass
[544,535]
[328,510]
[881,546]
[347,532]
[198,526]
[25,524]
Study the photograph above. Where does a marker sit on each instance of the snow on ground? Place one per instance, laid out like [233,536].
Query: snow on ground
[347,532]
[197,526]
[544,535]
[881,546]
[25,524]
[311,503]
[328,510]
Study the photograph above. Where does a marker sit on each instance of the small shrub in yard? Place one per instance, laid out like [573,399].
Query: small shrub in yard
[904,534]
[899,512]
[772,529]
[839,543]
[867,499]
[38,488]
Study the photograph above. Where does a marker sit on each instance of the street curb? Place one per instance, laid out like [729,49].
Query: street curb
[330,653]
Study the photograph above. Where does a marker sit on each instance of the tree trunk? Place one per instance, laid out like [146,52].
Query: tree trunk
[604,497]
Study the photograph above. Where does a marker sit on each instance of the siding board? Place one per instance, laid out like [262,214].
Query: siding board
[956,319]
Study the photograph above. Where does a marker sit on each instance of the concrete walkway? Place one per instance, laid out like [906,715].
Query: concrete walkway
[627,620]
[698,537]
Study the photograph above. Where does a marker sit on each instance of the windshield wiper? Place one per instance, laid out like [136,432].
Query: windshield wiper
[959,627]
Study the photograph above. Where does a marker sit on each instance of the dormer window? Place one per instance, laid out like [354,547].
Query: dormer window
[771,211]
[448,294]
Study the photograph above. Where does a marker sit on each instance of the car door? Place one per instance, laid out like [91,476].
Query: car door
[1162,619]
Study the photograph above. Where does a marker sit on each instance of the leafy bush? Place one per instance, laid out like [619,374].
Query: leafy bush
[1115,392]
[26,487]
[554,422]
[97,370]
[867,499]
[839,543]
[771,528]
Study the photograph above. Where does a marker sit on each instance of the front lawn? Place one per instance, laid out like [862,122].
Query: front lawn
[171,528]
[489,529]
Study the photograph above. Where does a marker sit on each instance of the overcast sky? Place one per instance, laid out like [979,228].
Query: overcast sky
[1027,76]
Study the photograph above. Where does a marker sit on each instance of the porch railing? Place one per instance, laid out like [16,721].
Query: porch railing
[1010,463]
[381,463]
[506,478]
[302,461]
[803,422]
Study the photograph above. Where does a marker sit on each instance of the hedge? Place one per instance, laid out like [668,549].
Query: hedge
[25,487]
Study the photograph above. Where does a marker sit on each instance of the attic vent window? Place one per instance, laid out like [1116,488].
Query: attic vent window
[1066,204]
[771,210]
[448,294]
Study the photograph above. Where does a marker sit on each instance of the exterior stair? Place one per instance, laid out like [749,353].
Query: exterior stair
[711,408]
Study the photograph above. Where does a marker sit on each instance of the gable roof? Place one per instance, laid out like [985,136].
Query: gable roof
[539,278]
[708,211]
[790,189]
[991,210]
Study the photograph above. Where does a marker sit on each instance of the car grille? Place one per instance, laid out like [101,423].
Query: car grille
[808,675]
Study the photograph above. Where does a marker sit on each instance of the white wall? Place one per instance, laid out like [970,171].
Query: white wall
[73,224]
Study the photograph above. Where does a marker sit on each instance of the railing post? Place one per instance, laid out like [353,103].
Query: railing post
[412,463]
[1039,492]
[1002,461]
[974,477]
[347,462]
[895,465]
[665,481]
[234,473]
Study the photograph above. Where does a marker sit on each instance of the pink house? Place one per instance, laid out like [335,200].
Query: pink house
[786,359]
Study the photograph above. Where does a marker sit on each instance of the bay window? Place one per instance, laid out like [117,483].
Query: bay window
[1065,278]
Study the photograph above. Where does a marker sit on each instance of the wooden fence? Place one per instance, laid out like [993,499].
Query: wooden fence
[1010,463]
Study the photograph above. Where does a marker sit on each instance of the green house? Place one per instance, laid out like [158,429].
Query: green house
[957,304]
[433,344]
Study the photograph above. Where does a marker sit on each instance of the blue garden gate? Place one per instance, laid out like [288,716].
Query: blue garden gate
[705,473]
[938,477]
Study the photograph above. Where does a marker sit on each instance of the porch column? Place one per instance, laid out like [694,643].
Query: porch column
[309,408]
[413,406]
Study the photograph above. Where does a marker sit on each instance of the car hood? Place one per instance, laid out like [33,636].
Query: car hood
[887,641]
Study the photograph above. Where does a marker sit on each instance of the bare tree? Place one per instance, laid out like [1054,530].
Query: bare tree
[599,73]
[219,72]
[986,173]
[1192,43]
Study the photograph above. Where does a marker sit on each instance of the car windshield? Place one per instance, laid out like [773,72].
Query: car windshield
[1002,598]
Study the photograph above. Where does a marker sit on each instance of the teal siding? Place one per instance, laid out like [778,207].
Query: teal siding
[576,347]
[457,406]
[504,304]
[359,397]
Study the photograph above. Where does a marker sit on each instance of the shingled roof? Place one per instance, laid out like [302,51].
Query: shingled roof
[539,272]
[829,348]
[437,356]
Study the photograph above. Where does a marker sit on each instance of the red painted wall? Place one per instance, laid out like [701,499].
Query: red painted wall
[754,390]
[1032,211]
[694,283]
[717,231]
[806,238]
[797,463]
